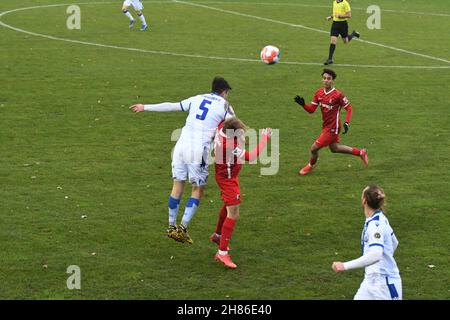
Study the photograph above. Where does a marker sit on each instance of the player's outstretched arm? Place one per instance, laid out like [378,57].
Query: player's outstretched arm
[137,107]
[160,107]
[301,101]
[265,136]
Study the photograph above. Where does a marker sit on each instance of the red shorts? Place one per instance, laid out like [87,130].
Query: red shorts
[229,190]
[326,138]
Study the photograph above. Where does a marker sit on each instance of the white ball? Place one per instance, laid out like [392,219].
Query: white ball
[270,54]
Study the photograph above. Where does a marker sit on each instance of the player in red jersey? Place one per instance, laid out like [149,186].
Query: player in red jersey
[330,100]
[229,155]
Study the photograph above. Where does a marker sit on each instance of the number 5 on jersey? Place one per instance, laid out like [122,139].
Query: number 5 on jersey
[204,109]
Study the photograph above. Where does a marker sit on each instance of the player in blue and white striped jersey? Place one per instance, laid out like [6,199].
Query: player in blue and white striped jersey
[190,155]
[382,279]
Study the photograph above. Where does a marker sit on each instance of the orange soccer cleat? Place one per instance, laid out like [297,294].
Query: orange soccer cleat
[216,239]
[364,157]
[306,169]
[225,260]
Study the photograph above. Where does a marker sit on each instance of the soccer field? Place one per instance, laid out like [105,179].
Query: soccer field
[84,181]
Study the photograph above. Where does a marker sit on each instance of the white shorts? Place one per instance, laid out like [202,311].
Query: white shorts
[190,163]
[137,5]
[380,288]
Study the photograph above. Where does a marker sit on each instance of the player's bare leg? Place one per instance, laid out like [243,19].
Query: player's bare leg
[197,192]
[222,255]
[339,148]
[177,189]
[312,161]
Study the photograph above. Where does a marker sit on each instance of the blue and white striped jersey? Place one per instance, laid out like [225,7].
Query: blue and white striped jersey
[378,232]
[206,112]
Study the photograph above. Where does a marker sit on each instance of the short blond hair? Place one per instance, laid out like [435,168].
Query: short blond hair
[234,126]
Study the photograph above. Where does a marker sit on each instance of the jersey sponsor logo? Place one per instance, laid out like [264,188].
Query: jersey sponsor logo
[326,106]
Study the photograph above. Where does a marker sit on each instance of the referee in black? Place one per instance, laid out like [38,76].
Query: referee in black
[341,13]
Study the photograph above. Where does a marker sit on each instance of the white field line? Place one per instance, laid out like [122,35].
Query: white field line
[180,54]
[321,6]
[309,28]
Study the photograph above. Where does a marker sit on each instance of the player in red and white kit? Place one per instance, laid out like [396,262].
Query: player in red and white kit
[331,101]
[229,155]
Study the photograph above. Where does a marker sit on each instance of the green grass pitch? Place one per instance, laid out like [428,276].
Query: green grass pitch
[71,148]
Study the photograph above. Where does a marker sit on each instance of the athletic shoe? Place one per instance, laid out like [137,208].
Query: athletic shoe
[216,239]
[329,61]
[144,27]
[172,232]
[132,23]
[183,235]
[356,33]
[225,260]
[364,157]
[306,169]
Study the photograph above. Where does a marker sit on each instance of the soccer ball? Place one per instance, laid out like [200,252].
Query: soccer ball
[270,54]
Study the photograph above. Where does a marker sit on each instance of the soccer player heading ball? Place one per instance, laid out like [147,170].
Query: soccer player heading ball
[330,100]
[190,155]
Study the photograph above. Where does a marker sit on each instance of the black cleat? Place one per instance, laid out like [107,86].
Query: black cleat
[329,61]
[355,33]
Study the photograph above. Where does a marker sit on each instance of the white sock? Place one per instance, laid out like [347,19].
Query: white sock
[191,206]
[128,14]
[143,20]
[174,205]
[222,253]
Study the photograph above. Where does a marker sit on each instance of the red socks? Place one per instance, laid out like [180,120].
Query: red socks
[356,152]
[227,231]
[312,161]
[222,216]
[225,227]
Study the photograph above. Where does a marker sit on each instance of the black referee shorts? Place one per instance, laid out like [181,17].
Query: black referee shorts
[339,28]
